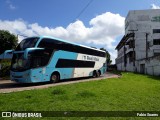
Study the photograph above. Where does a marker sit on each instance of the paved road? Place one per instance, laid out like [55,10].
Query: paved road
[7,86]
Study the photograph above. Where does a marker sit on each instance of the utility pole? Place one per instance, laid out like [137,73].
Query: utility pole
[134,55]
[147,45]
[124,49]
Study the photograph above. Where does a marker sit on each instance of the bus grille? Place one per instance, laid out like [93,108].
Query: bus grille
[17,76]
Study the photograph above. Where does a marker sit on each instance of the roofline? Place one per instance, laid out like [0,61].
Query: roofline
[67,42]
[124,39]
[120,42]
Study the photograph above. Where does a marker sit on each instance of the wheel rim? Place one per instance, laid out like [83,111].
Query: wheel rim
[54,78]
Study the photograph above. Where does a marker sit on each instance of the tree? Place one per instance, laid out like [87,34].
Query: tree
[108,56]
[8,41]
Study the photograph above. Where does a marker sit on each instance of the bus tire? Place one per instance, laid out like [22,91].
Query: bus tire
[94,74]
[55,77]
[99,73]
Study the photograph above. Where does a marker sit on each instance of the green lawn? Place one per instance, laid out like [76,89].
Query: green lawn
[131,92]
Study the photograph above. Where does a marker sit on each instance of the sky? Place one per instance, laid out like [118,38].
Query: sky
[100,25]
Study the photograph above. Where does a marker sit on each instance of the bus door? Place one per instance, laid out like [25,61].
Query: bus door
[37,69]
[39,61]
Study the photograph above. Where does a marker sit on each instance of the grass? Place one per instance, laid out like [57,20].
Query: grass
[131,92]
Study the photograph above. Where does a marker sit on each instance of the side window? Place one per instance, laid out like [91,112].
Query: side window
[156,30]
[43,43]
[156,42]
[47,43]
[60,45]
[40,58]
[27,43]
[37,62]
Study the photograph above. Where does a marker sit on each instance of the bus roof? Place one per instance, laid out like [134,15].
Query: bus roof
[70,42]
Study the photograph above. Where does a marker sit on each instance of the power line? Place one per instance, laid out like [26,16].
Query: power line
[82,11]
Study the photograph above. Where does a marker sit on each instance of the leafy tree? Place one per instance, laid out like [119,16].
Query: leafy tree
[8,41]
[108,56]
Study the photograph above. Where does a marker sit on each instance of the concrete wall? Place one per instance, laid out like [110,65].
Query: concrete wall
[142,22]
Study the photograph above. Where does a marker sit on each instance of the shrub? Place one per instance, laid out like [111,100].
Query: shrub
[5,69]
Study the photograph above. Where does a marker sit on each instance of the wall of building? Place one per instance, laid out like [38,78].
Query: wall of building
[142,24]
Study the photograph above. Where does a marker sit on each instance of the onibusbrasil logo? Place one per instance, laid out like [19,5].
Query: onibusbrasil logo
[21,114]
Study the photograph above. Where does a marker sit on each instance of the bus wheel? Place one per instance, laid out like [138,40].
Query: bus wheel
[55,78]
[94,74]
[98,73]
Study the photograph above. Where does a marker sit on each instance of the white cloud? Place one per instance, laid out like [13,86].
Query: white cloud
[11,6]
[153,6]
[103,30]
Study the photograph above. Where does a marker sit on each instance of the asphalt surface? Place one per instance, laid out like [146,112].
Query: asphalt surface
[7,86]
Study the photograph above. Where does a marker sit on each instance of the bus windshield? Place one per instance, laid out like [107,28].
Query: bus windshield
[27,43]
[19,63]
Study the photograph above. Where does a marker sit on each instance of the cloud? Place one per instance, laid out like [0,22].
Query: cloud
[11,6]
[102,31]
[153,6]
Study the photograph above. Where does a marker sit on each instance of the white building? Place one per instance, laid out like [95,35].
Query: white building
[139,49]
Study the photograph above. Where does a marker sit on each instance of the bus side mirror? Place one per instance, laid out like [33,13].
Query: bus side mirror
[29,50]
[8,54]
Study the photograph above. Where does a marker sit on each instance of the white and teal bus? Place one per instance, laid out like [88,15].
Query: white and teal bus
[44,58]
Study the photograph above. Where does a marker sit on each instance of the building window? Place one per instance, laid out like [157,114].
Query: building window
[156,30]
[156,42]
[156,54]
